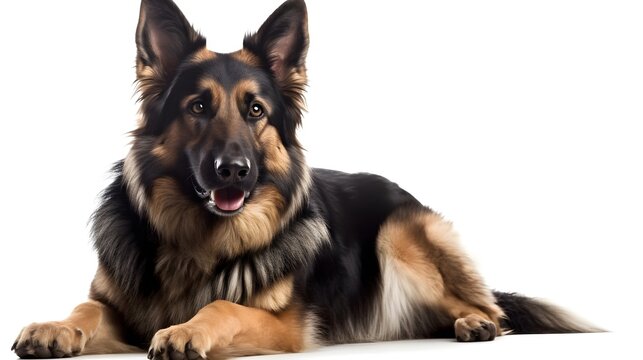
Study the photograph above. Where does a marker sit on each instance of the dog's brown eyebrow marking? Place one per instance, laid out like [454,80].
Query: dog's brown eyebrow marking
[246,87]
[243,87]
[217,90]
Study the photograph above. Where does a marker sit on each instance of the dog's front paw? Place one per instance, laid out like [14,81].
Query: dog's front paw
[474,328]
[47,340]
[180,342]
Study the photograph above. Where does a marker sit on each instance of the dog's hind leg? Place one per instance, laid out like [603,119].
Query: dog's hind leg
[422,264]
[90,329]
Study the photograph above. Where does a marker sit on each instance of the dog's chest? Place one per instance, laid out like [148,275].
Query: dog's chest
[202,279]
[196,282]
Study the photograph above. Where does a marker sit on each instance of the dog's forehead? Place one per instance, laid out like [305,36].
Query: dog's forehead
[229,70]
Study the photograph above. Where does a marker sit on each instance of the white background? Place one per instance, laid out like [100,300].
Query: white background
[520,121]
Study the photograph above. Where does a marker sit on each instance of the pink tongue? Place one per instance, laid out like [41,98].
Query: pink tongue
[229,199]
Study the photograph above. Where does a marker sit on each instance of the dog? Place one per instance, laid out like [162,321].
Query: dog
[216,239]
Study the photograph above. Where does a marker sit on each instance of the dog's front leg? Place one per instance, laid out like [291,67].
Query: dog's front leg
[90,329]
[223,328]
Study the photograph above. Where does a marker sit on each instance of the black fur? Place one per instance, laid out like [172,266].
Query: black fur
[525,315]
[126,243]
[345,277]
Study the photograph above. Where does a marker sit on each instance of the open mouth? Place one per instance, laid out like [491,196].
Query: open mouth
[226,201]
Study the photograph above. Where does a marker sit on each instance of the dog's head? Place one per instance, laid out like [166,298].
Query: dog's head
[218,125]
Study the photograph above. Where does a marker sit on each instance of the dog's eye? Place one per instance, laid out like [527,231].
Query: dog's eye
[256,111]
[197,108]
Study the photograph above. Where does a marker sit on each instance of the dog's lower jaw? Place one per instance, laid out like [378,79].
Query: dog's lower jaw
[214,209]
[211,205]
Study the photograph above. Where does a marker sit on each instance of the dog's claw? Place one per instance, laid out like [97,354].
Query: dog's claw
[190,353]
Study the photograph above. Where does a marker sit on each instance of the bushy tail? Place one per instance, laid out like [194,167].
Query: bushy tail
[532,316]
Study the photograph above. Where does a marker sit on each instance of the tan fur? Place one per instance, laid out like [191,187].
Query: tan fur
[243,87]
[299,196]
[169,211]
[474,327]
[247,57]
[259,126]
[408,279]
[160,151]
[132,177]
[149,81]
[168,146]
[423,264]
[144,72]
[185,224]
[294,86]
[254,227]
[103,284]
[175,266]
[90,329]
[402,246]
[275,298]
[460,275]
[218,92]
[203,55]
[277,159]
[231,329]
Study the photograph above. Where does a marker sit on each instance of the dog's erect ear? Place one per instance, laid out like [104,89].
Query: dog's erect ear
[282,41]
[164,38]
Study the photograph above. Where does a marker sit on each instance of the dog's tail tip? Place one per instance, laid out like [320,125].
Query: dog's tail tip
[525,315]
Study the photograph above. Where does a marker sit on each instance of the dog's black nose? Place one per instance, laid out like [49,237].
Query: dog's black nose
[232,169]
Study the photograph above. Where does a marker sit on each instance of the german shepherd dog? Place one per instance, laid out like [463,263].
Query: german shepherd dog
[216,239]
